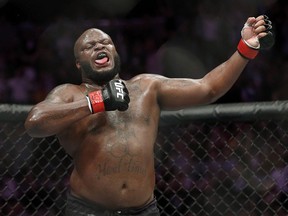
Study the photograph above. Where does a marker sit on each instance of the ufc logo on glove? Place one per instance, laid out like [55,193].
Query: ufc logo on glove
[113,96]
[119,88]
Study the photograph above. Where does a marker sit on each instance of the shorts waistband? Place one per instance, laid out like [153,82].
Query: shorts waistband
[79,203]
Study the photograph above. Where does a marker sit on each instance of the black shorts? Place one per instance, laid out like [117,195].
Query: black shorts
[78,207]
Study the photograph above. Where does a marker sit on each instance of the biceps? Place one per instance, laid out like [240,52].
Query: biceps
[181,93]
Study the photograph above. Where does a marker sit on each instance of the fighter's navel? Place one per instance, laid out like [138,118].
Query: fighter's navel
[124,186]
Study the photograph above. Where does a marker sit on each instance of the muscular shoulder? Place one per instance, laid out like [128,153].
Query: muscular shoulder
[65,87]
[64,93]
[148,79]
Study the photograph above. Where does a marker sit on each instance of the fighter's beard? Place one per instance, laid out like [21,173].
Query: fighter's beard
[102,77]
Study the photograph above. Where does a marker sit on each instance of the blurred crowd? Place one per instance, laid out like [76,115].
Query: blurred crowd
[223,168]
[175,40]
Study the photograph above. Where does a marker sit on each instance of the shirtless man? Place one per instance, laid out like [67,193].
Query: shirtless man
[109,125]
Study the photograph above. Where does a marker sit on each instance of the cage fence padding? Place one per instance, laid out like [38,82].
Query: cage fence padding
[226,159]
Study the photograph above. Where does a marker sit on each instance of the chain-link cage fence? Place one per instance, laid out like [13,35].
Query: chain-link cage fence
[214,160]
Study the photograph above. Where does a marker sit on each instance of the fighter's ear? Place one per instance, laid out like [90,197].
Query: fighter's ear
[77,64]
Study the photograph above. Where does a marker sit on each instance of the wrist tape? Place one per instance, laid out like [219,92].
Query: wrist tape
[246,50]
[95,102]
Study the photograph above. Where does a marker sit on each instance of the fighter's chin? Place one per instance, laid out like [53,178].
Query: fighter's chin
[103,68]
[103,76]
[105,71]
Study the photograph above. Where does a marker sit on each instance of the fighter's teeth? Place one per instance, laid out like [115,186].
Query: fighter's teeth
[101,55]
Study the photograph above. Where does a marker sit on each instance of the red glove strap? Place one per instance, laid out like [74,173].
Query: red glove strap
[96,101]
[246,51]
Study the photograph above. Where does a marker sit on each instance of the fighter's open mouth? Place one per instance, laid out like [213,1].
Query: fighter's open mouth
[102,58]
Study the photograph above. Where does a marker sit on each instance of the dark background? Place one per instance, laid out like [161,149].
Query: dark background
[173,38]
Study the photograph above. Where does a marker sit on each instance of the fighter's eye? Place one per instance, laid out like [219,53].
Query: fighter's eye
[87,47]
[106,42]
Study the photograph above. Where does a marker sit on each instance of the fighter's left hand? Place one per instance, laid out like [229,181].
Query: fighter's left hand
[257,32]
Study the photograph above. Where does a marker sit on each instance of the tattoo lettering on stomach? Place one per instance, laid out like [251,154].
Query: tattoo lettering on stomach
[127,164]
[123,156]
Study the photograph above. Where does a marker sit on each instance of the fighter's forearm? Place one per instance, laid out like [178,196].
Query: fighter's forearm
[222,78]
[46,119]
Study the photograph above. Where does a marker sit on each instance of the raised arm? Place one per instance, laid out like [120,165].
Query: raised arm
[181,93]
[56,112]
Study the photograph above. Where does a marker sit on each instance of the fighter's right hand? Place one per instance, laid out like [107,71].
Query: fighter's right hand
[114,96]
